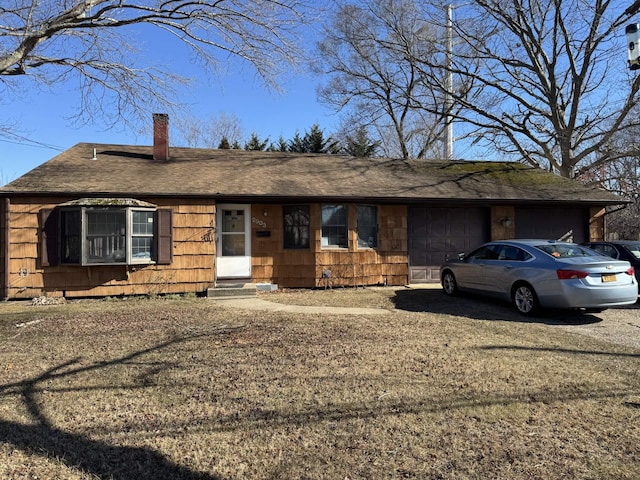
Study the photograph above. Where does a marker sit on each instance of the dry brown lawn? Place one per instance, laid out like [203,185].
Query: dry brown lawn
[190,389]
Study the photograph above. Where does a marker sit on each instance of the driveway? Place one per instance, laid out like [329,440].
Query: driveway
[616,325]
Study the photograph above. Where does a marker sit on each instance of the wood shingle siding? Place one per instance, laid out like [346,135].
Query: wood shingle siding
[189,262]
[351,266]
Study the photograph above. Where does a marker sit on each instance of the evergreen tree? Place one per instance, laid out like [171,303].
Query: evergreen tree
[224,144]
[313,141]
[280,146]
[359,144]
[296,144]
[255,143]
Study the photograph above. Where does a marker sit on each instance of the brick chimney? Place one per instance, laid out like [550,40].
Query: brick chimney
[161,137]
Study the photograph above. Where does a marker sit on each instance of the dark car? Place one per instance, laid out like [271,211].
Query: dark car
[628,250]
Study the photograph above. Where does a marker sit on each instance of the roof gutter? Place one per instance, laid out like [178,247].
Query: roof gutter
[269,198]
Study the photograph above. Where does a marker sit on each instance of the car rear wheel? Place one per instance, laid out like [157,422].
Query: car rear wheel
[525,299]
[449,284]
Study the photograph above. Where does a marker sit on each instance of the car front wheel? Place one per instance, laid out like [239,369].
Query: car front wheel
[525,300]
[449,284]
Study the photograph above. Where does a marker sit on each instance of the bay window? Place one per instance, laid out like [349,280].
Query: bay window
[99,232]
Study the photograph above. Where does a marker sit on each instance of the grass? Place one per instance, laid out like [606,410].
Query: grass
[186,388]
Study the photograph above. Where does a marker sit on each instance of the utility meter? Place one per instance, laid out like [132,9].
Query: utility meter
[633,44]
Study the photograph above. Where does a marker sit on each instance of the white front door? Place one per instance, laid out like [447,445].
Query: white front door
[233,243]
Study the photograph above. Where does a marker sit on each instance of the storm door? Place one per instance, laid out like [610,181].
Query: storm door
[233,243]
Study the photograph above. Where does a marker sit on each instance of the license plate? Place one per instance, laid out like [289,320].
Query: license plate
[609,278]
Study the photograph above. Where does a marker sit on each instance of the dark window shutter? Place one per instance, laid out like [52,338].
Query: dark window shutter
[49,237]
[165,239]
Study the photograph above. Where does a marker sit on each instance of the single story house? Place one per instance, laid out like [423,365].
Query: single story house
[109,220]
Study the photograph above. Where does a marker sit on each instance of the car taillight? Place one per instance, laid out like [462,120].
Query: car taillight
[569,274]
[631,271]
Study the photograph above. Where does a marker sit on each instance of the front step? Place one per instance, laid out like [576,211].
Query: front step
[232,290]
[239,290]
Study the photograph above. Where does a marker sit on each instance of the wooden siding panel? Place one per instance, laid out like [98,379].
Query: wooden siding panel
[183,219]
[194,208]
[24,251]
[597,224]
[24,235]
[349,266]
[193,261]
[192,268]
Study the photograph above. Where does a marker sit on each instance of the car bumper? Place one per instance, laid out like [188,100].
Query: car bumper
[574,294]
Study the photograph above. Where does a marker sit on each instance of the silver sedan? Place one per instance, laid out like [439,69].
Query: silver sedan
[536,274]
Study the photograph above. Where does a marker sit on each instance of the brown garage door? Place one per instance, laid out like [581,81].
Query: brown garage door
[559,223]
[439,233]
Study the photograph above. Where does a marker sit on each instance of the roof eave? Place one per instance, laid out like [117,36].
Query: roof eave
[267,198]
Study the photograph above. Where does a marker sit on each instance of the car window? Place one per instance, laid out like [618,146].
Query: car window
[607,250]
[565,250]
[510,253]
[634,250]
[487,252]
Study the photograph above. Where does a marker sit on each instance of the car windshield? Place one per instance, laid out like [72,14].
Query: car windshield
[564,250]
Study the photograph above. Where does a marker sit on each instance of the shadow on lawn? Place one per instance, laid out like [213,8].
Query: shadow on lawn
[558,350]
[106,461]
[96,458]
[482,308]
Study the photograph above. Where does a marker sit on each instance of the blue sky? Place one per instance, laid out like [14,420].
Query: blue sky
[42,117]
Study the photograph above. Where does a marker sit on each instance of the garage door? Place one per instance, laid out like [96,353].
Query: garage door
[439,233]
[560,223]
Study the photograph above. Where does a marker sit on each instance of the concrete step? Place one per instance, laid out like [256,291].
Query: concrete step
[232,290]
[239,289]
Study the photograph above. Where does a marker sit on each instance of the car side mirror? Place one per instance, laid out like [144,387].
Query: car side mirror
[461,256]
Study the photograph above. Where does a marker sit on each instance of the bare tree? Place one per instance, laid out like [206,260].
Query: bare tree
[553,85]
[372,53]
[621,176]
[90,41]
[209,133]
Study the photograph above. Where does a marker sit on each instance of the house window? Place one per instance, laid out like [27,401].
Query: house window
[71,234]
[106,231]
[296,226]
[105,239]
[109,235]
[334,226]
[142,234]
[367,226]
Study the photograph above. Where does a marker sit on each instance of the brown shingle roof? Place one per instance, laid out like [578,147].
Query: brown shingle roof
[131,171]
